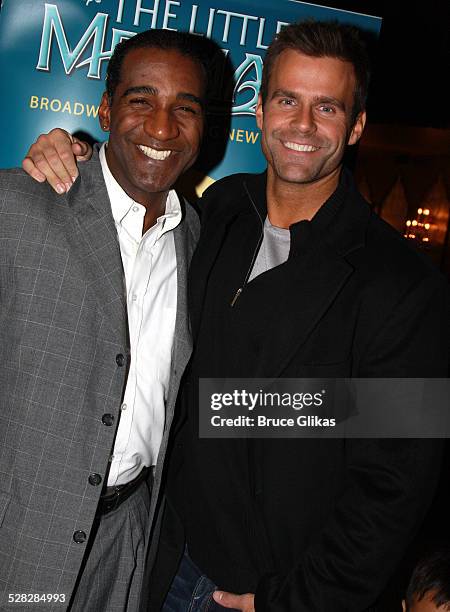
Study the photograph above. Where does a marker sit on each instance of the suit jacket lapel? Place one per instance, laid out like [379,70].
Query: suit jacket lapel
[94,240]
[182,345]
[185,242]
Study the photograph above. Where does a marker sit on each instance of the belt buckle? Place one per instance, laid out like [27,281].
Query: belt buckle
[115,501]
[111,504]
[121,492]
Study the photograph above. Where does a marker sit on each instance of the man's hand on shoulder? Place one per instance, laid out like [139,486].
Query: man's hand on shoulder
[245,603]
[53,158]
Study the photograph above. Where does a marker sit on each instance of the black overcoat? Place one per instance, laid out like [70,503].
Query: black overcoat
[309,525]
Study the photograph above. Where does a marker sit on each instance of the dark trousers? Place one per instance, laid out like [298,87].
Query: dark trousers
[191,590]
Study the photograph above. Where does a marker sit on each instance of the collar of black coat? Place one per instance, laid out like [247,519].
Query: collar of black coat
[340,223]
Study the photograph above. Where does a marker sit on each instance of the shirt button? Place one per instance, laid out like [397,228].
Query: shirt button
[135,208]
[79,537]
[94,479]
[108,419]
[120,360]
[123,407]
[134,297]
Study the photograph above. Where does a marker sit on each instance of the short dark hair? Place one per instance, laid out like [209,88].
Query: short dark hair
[170,40]
[431,577]
[323,39]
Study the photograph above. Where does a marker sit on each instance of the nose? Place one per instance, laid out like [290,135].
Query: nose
[160,124]
[303,119]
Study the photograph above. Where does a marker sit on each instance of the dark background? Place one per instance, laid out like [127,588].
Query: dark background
[402,162]
[411,65]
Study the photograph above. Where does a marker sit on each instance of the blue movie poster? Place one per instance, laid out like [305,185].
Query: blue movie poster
[54,57]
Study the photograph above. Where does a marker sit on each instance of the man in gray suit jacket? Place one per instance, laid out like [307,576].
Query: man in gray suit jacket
[94,336]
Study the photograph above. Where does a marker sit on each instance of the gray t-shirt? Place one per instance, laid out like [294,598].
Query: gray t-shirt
[274,249]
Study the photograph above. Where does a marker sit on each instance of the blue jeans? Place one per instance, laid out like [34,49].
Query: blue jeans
[191,591]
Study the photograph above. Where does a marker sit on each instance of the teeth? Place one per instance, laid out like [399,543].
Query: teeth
[153,153]
[298,147]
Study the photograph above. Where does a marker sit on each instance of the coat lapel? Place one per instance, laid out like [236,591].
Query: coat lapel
[203,261]
[296,300]
[95,244]
[182,346]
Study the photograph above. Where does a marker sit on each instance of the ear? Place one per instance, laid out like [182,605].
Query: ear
[357,129]
[259,112]
[104,113]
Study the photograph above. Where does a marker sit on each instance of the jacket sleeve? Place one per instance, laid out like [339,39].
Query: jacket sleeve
[390,482]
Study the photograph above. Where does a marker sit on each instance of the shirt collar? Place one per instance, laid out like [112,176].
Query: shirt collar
[121,203]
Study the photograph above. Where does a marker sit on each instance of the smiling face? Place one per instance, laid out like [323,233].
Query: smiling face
[306,119]
[155,121]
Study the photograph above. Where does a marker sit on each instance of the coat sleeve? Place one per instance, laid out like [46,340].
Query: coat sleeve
[390,482]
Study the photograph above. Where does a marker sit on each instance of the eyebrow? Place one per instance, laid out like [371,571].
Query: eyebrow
[140,89]
[153,91]
[283,93]
[324,99]
[187,96]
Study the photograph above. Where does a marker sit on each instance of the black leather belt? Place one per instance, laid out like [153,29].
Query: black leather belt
[112,497]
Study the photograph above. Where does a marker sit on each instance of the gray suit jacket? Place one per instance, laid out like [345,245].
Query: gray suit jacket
[63,330]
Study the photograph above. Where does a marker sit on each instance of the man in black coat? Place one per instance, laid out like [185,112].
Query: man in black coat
[295,276]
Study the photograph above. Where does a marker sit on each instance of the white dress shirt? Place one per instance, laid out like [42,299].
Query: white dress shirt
[150,268]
